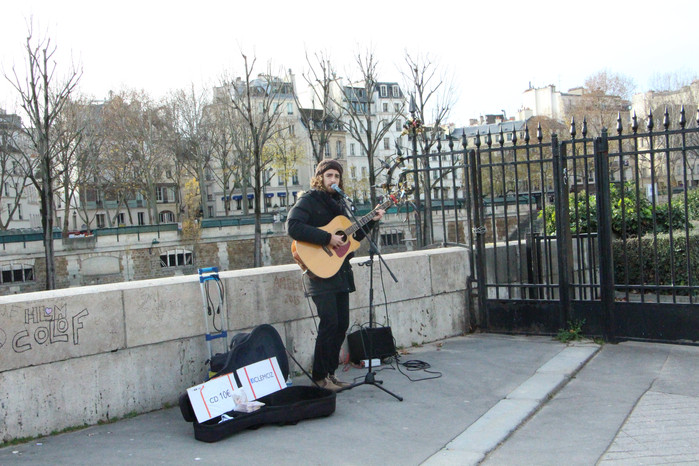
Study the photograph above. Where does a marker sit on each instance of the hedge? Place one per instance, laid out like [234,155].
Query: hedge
[634,268]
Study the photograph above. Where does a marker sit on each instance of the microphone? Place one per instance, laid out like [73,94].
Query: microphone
[340,191]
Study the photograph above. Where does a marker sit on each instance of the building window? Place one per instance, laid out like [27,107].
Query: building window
[384,90]
[353,172]
[291,130]
[165,194]
[176,258]
[120,219]
[100,220]
[364,172]
[386,143]
[167,217]
[327,149]
[289,108]
[238,204]
[396,91]
[393,238]
[396,107]
[295,177]
[19,212]
[352,152]
[17,273]
[338,149]
[141,218]
[399,125]
[385,107]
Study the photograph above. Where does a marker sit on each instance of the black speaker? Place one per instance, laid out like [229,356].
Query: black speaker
[369,343]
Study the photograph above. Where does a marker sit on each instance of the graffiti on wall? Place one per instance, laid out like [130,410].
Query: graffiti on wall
[42,326]
[290,288]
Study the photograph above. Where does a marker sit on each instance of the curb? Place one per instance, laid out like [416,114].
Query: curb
[500,421]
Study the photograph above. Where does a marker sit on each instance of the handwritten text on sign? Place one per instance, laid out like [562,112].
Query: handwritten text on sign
[218,395]
[213,398]
[261,378]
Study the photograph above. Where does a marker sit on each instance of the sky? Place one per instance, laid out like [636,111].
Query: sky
[492,51]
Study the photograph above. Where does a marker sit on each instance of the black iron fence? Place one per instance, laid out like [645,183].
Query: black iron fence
[602,230]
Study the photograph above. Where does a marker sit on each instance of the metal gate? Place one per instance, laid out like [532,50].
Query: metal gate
[598,232]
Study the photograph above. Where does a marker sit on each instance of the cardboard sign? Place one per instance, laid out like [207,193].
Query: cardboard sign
[261,378]
[213,398]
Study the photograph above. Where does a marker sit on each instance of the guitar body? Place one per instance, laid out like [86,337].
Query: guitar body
[324,261]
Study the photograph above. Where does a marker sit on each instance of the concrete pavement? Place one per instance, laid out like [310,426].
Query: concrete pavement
[488,399]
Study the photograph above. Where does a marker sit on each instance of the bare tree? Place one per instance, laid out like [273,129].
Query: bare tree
[87,166]
[43,100]
[77,148]
[432,100]
[192,134]
[137,149]
[258,102]
[605,95]
[360,117]
[672,81]
[222,149]
[286,152]
[13,175]
[321,120]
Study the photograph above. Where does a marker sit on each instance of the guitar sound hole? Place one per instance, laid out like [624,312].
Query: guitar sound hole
[343,235]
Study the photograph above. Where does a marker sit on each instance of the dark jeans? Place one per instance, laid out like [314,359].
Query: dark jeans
[333,311]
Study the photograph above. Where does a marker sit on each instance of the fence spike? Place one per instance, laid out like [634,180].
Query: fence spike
[464,141]
[697,116]
[501,138]
[634,122]
[682,119]
[572,128]
[526,130]
[584,128]
[666,119]
[650,121]
[539,135]
[514,136]
[489,139]
[478,138]
[618,123]
[451,142]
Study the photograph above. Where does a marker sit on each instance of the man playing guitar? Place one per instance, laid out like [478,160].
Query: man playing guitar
[315,209]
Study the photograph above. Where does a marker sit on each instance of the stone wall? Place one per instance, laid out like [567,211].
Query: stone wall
[78,356]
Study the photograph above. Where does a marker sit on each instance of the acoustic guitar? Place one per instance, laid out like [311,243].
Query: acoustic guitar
[324,261]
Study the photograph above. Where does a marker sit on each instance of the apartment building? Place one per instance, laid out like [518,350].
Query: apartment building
[19,199]
[379,107]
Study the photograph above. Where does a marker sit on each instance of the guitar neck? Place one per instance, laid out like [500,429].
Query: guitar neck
[366,218]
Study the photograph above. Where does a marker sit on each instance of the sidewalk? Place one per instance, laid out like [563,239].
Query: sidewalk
[499,400]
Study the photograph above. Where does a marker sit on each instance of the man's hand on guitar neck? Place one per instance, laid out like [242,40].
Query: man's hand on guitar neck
[379,215]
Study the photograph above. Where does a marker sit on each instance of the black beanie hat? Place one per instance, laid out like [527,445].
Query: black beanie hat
[326,165]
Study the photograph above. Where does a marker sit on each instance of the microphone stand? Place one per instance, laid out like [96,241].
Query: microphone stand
[370,377]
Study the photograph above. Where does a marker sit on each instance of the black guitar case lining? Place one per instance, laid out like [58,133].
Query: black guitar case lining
[287,406]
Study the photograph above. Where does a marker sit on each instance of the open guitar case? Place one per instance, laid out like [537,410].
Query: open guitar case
[287,406]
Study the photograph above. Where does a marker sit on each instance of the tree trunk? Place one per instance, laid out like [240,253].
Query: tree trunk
[258,212]
[47,216]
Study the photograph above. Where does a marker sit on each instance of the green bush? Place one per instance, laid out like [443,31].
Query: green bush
[636,268]
[632,215]
[693,203]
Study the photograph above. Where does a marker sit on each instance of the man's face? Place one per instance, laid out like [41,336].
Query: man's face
[331,177]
